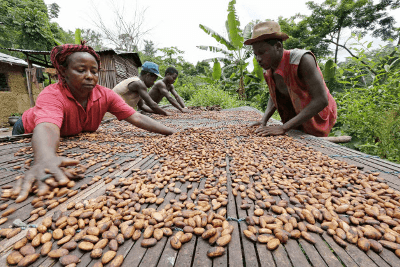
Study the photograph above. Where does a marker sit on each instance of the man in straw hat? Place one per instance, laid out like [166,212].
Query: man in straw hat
[296,85]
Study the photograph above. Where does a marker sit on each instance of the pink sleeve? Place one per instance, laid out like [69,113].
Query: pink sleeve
[49,108]
[118,106]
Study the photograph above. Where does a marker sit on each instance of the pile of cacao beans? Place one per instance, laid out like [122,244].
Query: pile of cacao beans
[286,188]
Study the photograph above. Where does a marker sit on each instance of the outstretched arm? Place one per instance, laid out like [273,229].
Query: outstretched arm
[179,99]
[149,124]
[314,83]
[269,111]
[181,106]
[45,141]
[141,89]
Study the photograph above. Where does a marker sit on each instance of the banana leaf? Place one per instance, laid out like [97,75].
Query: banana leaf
[216,70]
[214,49]
[78,36]
[235,33]
[247,31]
[220,39]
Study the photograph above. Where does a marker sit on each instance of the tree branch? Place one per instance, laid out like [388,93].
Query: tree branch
[329,41]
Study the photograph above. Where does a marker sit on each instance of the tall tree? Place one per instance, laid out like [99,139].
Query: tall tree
[329,19]
[26,25]
[128,29]
[149,48]
[93,39]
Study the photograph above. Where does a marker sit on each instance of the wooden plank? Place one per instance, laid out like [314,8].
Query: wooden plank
[186,253]
[281,258]
[266,258]
[377,259]
[340,252]
[330,259]
[200,257]
[157,250]
[389,257]
[295,254]
[359,256]
[312,253]
[235,257]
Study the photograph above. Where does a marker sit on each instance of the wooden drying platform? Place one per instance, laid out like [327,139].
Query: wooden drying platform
[240,251]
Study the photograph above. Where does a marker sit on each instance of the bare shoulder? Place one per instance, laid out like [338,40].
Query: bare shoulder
[137,85]
[307,66]
[159,85]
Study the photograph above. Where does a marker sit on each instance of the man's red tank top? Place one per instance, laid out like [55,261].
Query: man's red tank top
[322,123]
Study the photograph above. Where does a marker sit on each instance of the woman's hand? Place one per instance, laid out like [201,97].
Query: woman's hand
[40,172]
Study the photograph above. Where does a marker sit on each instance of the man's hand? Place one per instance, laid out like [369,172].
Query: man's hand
[41,171]
[255,123]
[185,110]
[168,113]
[270,130]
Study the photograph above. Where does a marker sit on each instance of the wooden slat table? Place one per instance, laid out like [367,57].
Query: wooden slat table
[127,158]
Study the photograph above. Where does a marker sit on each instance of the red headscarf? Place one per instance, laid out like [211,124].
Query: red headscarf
[59,55]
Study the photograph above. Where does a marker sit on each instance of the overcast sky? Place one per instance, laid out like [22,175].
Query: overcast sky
[176,22]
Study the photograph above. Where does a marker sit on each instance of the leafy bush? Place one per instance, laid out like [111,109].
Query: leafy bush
[369,104]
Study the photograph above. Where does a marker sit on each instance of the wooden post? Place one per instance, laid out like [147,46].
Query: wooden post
[29,82]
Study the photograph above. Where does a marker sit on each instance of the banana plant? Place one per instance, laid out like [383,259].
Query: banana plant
[78,37]
[235,53]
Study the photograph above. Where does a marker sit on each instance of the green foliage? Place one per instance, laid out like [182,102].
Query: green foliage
[329,19]
[235,53]
[369,104]
[93,39]
[78,37]
[329,70]
[210,95]
[216,70]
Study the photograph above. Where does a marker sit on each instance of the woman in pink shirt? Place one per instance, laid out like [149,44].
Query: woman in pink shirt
[73,105]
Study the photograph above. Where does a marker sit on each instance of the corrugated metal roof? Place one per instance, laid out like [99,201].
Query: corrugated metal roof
[14,61]
[33,52]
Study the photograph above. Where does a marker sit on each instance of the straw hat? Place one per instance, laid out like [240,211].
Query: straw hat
[266,30]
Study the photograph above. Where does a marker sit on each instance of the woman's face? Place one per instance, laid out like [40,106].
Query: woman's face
[81,73]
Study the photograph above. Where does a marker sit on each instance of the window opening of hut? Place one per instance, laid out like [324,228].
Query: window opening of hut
[3,82]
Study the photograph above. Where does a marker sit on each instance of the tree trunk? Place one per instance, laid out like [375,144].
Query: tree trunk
[337,45]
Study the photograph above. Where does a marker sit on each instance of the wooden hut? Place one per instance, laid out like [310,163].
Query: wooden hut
[18,87]
[117,66]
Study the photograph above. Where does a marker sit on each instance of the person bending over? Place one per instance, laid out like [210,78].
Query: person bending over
[296,85]
[73,105]
[134,90]
[165,87]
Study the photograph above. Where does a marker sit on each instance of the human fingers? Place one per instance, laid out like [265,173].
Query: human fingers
[17,188]
[60,176]
[43,189]
[26,187]
[259,129]
[68,162]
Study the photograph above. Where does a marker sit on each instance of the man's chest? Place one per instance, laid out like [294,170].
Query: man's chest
[280,84]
